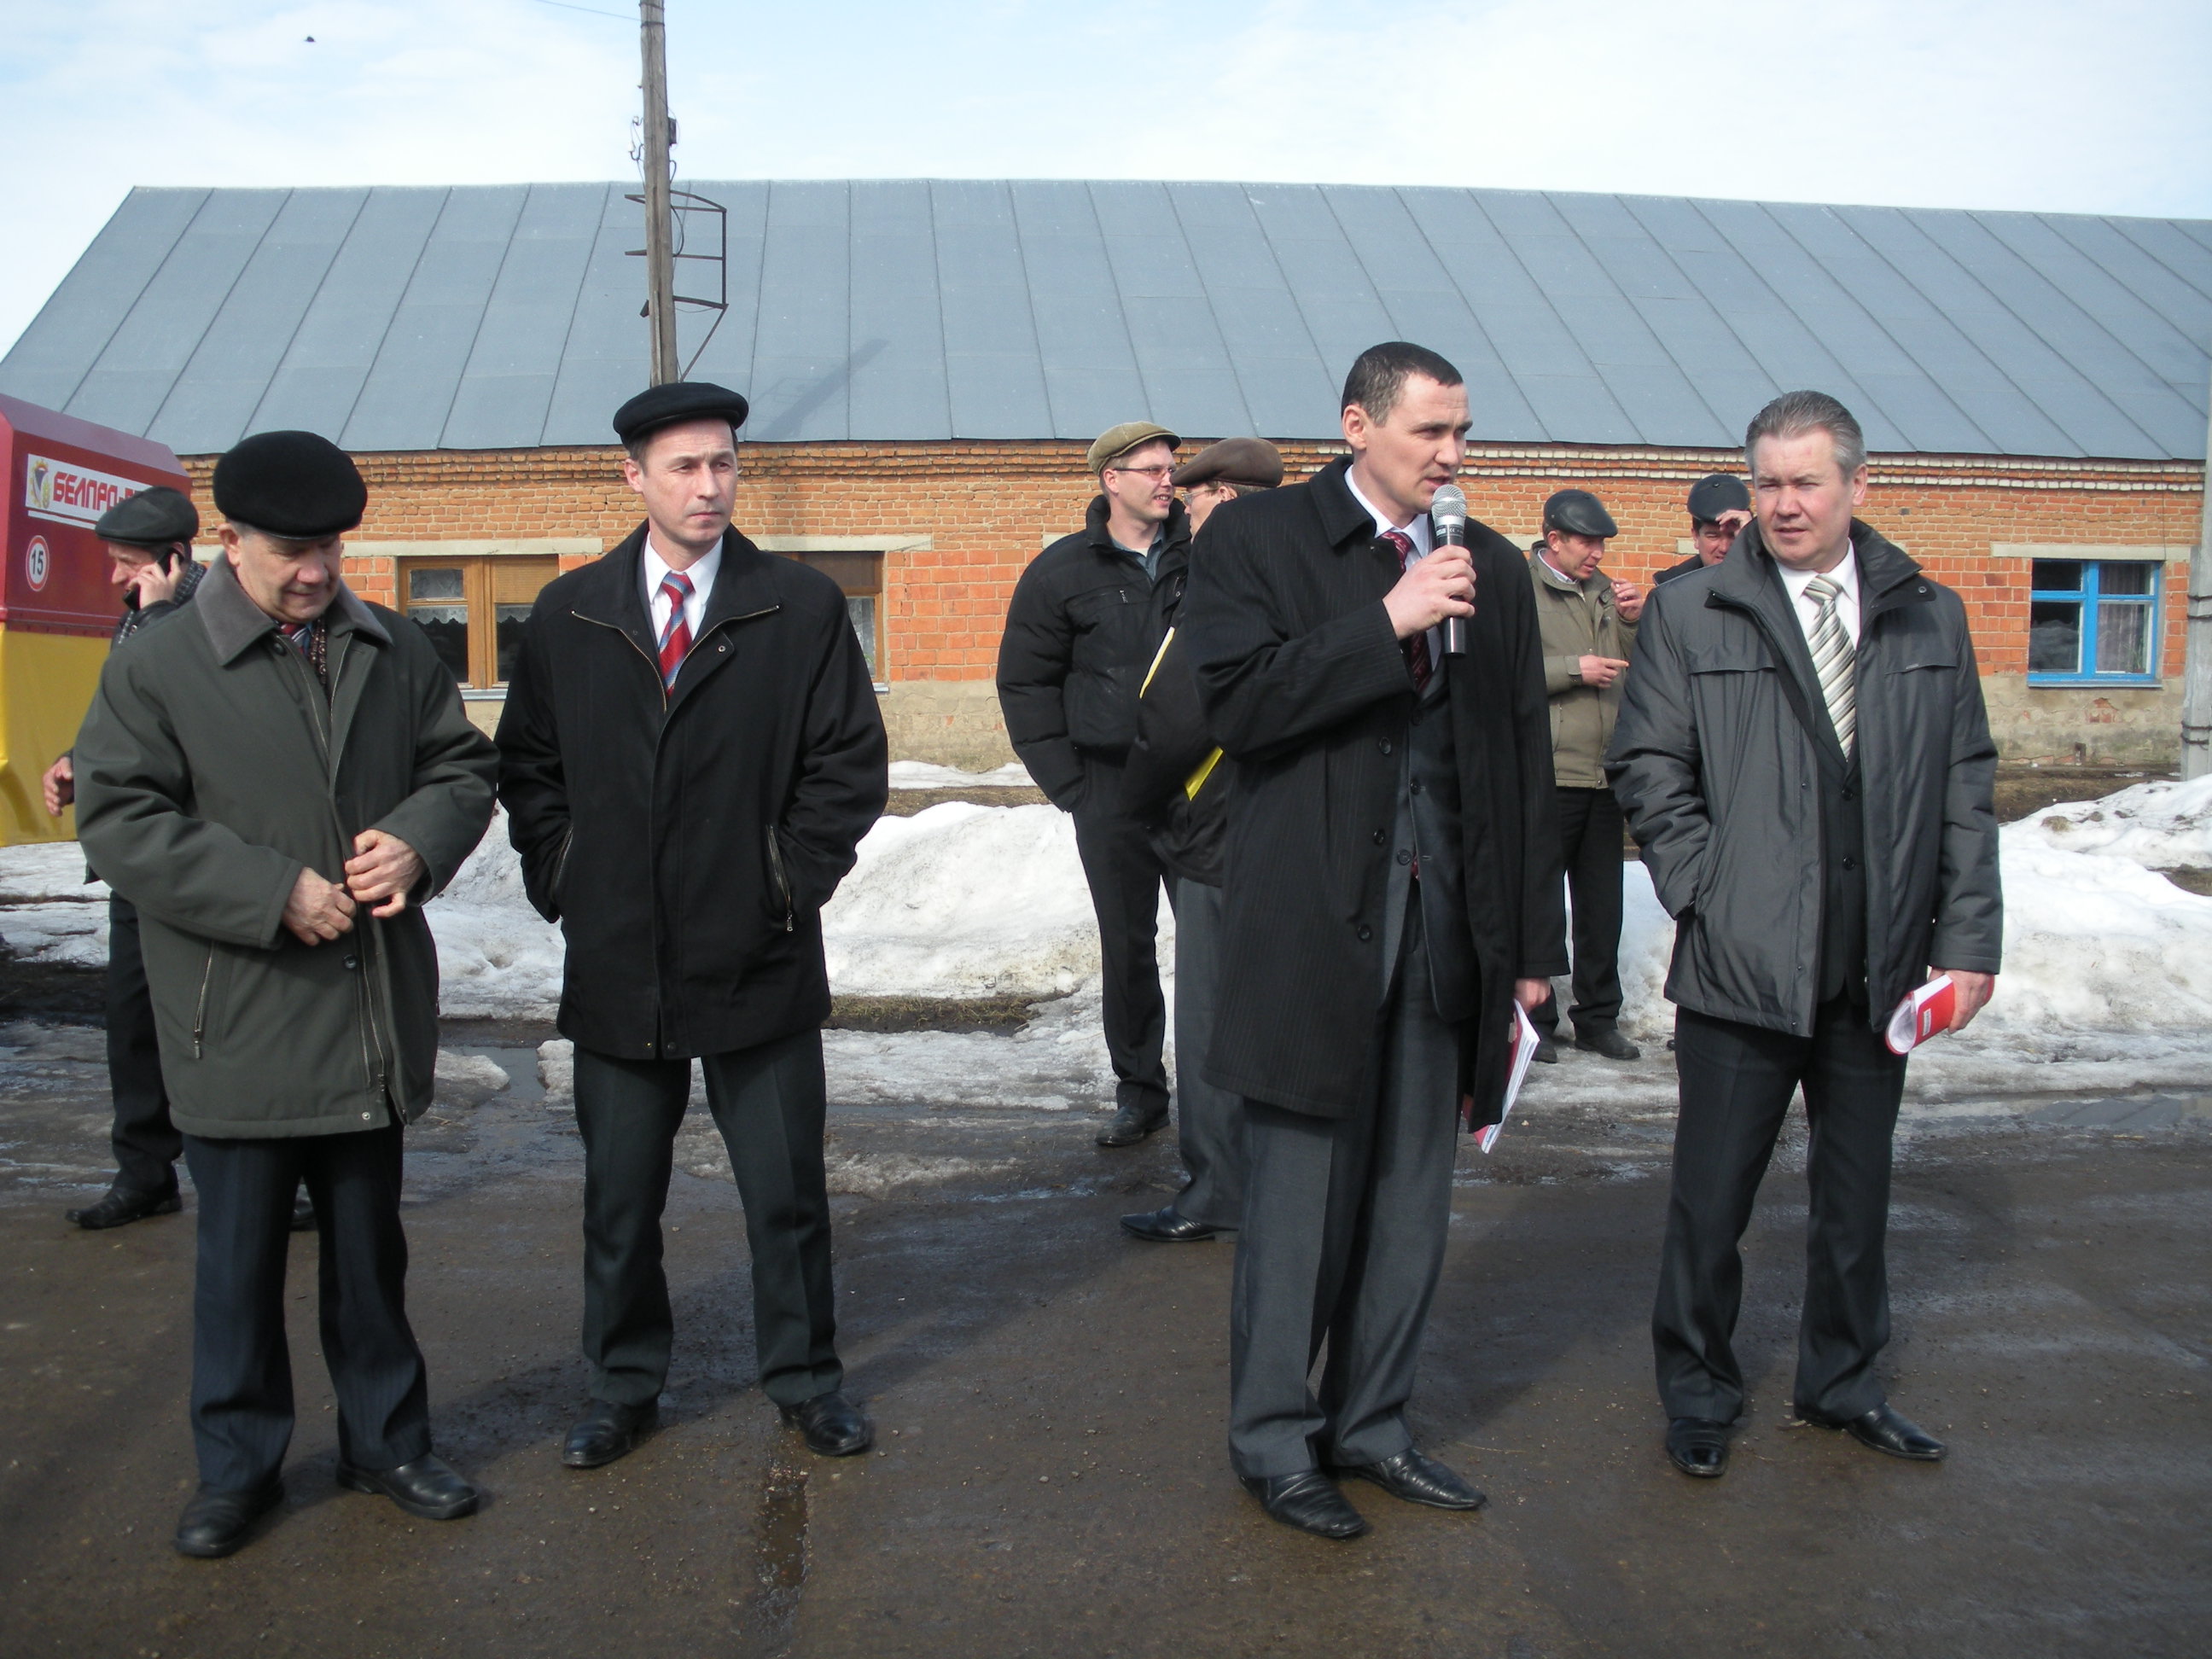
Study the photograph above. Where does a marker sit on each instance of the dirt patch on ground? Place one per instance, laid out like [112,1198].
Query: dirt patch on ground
[50,990]
[2025,789]
[905,803]
[1006,1013]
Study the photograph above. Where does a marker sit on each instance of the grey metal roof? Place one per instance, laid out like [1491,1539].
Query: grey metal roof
[490,317]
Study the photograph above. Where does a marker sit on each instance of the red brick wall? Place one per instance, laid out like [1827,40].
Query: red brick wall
[987,506]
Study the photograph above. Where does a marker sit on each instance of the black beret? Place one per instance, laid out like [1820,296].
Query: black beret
[1248,463]
[1579,514]
[298,485]
[679,400]
[152,517]
[1717,493]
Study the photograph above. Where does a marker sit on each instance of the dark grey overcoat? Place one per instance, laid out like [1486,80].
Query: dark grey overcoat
[211,771]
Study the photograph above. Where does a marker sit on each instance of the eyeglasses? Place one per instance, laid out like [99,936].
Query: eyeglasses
[1155,473]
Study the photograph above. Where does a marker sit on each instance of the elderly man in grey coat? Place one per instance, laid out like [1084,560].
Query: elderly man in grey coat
[278,780]
[1803,756]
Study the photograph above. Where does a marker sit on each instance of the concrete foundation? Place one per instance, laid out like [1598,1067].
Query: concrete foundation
[2088,725]
[947,723]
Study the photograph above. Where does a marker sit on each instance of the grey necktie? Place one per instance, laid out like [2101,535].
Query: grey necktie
[1832,661]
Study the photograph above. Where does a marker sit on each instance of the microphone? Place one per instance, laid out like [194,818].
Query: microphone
[1447,514]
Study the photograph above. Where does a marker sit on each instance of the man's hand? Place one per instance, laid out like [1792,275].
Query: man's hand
[1600,671]
[1627,598]
[157,585]
[383,868]
[1530,992]
[59,786]
[318,909]
[1440,585]
[1732,521]
[1974,990]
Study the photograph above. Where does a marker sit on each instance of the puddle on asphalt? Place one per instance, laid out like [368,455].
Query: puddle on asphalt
[780,1549]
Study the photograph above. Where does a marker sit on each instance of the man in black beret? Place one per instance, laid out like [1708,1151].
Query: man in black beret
[1720,507]
[1588,620]
[688,756]
[279,781]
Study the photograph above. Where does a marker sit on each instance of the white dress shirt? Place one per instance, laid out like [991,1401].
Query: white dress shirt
[1845,577]
[1417,531]
[700,574]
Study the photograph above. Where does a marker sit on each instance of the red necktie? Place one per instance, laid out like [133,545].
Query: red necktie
[1417,649]
[675,638]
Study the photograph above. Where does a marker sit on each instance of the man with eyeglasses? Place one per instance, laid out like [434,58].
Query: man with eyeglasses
[1081,631]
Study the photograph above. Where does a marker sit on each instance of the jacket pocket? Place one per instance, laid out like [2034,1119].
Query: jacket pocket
[779,882]
[200,1008]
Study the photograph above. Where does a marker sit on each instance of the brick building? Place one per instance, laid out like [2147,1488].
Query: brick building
[927,361]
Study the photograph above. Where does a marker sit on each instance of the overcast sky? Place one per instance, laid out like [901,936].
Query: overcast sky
[2031,104]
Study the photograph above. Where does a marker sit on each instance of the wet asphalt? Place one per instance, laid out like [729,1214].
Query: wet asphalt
[1050,1476]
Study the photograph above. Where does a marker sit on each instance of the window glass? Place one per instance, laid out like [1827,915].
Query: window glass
[2056,576]
[861,608]
[434,583]
[2123,636]
[2125,578]
[447,625]
[2054,637]
[511,619]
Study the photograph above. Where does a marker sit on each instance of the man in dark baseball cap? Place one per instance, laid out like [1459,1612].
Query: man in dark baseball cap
[1720,507]
[1588,620]
[149,550]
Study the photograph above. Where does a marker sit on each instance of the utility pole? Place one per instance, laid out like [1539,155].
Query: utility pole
[2196,659]
[658,136]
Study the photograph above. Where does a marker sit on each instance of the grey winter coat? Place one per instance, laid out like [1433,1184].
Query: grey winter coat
[1713,762]
[211,769]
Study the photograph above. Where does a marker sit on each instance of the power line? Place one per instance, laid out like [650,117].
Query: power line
[593,11]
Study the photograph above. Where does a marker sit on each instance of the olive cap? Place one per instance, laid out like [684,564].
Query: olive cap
[1115,441]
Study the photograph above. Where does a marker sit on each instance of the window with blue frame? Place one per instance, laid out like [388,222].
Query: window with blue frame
[2093,620]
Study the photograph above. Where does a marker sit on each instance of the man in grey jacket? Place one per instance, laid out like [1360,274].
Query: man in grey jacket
[1803,755]
[278,780]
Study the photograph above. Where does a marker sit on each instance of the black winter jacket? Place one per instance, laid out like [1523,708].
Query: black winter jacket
[686,842]
[1177,782]
[1082,630]
[1715,763]
[1306,688]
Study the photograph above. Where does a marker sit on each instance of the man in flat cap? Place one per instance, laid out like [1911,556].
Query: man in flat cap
[1588,624]
[148,538]
[1720,507]
[689,755]
[1080,633]
[1179,784]
[279,781]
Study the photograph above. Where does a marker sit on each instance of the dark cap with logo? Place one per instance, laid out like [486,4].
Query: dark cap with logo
[299,485]
[1248,463]
[1579,514]
[679,400]
[1717,493]
[153,518]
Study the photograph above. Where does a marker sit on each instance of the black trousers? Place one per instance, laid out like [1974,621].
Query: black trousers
[1126,877]
[147,1145]
[1590,832]
[241,1367]
[1736,1083]
[1345,1223]
[770,1103]
[1209,1120]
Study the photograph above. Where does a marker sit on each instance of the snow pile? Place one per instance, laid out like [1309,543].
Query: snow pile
[2163,826]
[48,911]
[921,775]
[497,957]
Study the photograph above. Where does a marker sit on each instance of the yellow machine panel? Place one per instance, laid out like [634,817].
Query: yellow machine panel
[46,683]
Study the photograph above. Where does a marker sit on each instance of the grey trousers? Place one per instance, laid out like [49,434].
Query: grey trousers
[768,1104]
[1209,1120]
[1345,1221]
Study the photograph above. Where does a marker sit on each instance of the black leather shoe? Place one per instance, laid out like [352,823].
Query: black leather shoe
[216,1523]
[1604,1040]
[429,1486]
[1131,1124]
[1307,1500]
[303,1211]
[834,1425]
[122,1206]
[1699,1446]
[1165,1227]
[607,1431]
[1417,1478]
[1887,1430]
[1547,1052]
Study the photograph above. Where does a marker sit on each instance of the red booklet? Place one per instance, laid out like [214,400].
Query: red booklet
[1923,1014]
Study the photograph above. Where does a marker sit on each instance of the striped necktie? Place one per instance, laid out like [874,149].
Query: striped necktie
[1833,662]
[675,638]
[1418,662]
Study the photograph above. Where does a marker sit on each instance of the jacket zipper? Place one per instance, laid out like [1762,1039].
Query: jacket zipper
[199,1015]
[782,886]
